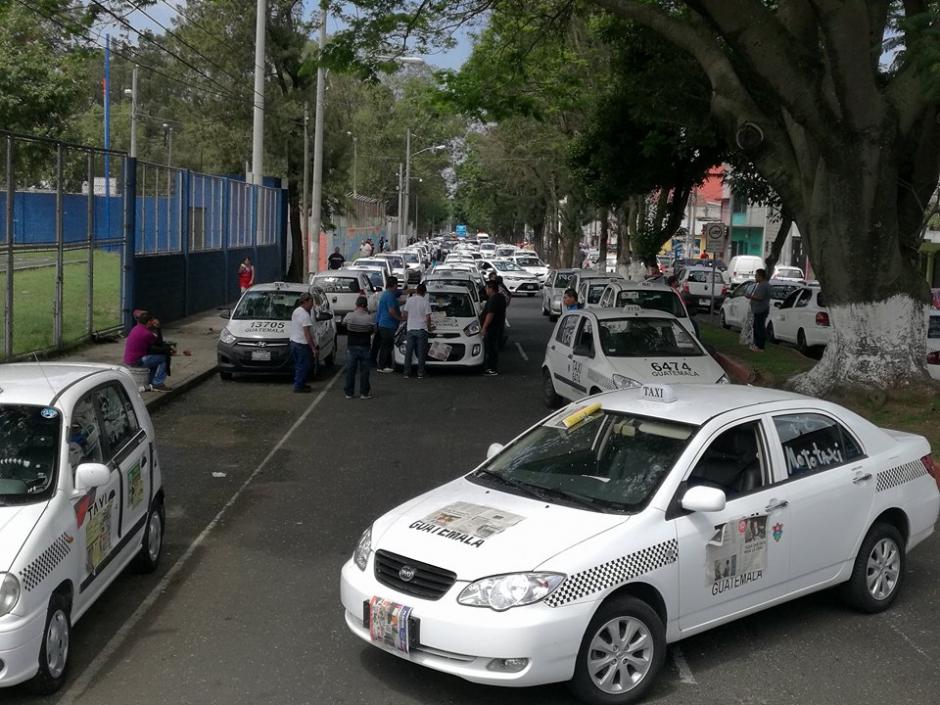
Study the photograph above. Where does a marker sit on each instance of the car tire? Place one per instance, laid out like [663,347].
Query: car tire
[801,342]
[552,400]
[225,376]
[544,310]
[724,323]
[637,663]
[151,546]
[878,574]
[770,333]
[55,637]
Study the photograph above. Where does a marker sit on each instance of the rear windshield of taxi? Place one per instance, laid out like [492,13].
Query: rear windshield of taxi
[666,301]
[338,285]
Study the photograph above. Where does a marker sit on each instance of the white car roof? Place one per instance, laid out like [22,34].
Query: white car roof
[697,403]
[604,314]
[282,286]
[625,285]
[40,383]
[447,289]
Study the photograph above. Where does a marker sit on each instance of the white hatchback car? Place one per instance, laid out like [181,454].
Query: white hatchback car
[81,498]
[802,319]
[456,340]
[594,351]
[735,308]
[633,520]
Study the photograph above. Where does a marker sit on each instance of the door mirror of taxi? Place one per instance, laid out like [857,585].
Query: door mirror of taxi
[90,475]
[704,499]
[493,450]
[324,316]
[225,313]
[777,304]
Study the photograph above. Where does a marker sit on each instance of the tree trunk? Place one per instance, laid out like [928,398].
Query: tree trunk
[602,246]
[295,269]
[785,222]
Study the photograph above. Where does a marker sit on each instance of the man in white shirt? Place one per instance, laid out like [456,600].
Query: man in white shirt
[417,312]
[302,345]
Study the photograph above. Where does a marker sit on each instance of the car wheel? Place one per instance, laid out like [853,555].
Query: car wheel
[151,547]
[878,573]
[621,653]
[770,333]
[54,648]
[225,376]
[544,310]
[801,342]
[724,323]
[552,400]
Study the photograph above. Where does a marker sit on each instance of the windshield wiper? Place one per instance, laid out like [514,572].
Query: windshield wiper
[528,489]
[581,500]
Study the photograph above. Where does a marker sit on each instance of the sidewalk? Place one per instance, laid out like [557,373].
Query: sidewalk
[197,334]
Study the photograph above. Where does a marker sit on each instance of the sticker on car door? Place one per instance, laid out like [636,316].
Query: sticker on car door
[736,554]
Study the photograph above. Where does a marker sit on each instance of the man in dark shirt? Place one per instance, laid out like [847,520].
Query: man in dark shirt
[336,259]
[359,328]
[494,320]
[760,308]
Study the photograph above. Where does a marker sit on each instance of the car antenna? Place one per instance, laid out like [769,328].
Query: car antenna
[44,376]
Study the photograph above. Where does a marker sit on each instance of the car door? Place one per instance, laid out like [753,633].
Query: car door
[731,559]
[830,486]
[547,291]
[801,316]
[323,330]
[559,355]
[583,354]
[782,318]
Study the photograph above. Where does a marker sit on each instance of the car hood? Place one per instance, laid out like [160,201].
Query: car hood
[668,370]
[534,269]
[16,524]
[525,276]
[477,531]
[450,324]
[259,329]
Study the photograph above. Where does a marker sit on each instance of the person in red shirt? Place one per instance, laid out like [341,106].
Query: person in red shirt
[137,351]
[246,274]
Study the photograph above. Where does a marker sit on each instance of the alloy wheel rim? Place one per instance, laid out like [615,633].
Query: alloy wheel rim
[620,655]
[57,643]
[884,569]
[154,536]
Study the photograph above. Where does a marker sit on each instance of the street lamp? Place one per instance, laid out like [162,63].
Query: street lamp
[408,156]
[355,160]
[132,94]
[168,136]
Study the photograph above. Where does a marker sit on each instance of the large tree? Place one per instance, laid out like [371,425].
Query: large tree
[849,140]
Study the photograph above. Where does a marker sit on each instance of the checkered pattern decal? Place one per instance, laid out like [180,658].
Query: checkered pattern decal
[33,574]
[899,475]
[613,573]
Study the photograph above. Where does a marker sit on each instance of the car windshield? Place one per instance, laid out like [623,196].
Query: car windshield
[646,337]
[778,292]
[933,328]
[337,285]
[606,462]
[529,262]
[266,306]
[504,252]
[702,277]
[451,304]
[562,280]
[410,258]
[29,452]
[396,261]
[789,272]
[506,266]
[667,301]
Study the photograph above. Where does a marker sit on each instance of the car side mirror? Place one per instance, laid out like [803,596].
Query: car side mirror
[494,449]
[704,499]
[226,314]
[324,316]
[89,475]
[778,304]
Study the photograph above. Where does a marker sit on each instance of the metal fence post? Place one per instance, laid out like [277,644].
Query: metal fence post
[90,228]
[60,253]
[8,317]
[130,233]
[225,204]
[256,193]
[183,188]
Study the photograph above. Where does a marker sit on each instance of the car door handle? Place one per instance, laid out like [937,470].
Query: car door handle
[551,347]
[143,462]
[775,505]
[860,478]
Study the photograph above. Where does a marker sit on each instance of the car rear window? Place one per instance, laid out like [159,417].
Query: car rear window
[667,301]
[338,285]
[933,328]
[563,280]
[29,452]
[702,277]
[820,301]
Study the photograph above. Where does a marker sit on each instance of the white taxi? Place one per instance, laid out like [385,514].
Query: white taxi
[456,340]
[81,497]
[652,295]
[635,519]
[256,338]
[595,351]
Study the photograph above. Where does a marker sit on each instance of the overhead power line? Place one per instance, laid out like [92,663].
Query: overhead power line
[178,9]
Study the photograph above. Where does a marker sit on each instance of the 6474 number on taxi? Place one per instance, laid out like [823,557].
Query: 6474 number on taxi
[661,369]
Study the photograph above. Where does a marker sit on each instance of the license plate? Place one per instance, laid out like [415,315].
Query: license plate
[389,624]
[439,351]
[261,355]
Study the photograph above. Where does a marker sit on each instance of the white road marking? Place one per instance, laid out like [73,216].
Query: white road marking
[685,673]
[910,642]
[81,684]
[521,351]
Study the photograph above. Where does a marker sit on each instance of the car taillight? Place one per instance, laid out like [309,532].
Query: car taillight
[685,287]
[931,467]
[933,358]
[822,318]
[724,290]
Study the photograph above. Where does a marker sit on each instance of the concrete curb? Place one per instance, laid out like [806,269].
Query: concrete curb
[737,371]
[155,400]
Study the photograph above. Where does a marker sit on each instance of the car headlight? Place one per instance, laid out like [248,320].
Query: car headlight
[500,592]
[473,328]
[723,380]
[621,382]
[9,593]
[226,336]
[363,549]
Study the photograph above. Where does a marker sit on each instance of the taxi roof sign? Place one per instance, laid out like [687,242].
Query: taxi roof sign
[663,393]
[632,308]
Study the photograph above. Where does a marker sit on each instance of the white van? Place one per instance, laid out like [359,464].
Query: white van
[742,268]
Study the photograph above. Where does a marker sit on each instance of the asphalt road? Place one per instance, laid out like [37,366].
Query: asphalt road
[245,608]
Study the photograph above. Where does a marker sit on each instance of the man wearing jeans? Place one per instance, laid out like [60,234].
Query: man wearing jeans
[760,307]
[387,317]
[302,345]
[137,351]
[359,329]
[418,315]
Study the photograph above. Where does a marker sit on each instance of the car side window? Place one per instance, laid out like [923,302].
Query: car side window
[790,300]
[605,298]
[585,342]
[84,440]
[805,296]
[734,462]
[566,330]
[813,443]
[118,420]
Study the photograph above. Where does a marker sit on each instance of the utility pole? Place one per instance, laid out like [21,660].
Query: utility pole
[134,113]
[304,220]
[407,186]
[355,165]
[257,142]
[317,199]
[401,188]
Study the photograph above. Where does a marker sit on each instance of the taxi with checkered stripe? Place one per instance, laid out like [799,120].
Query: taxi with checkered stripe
[633,519]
